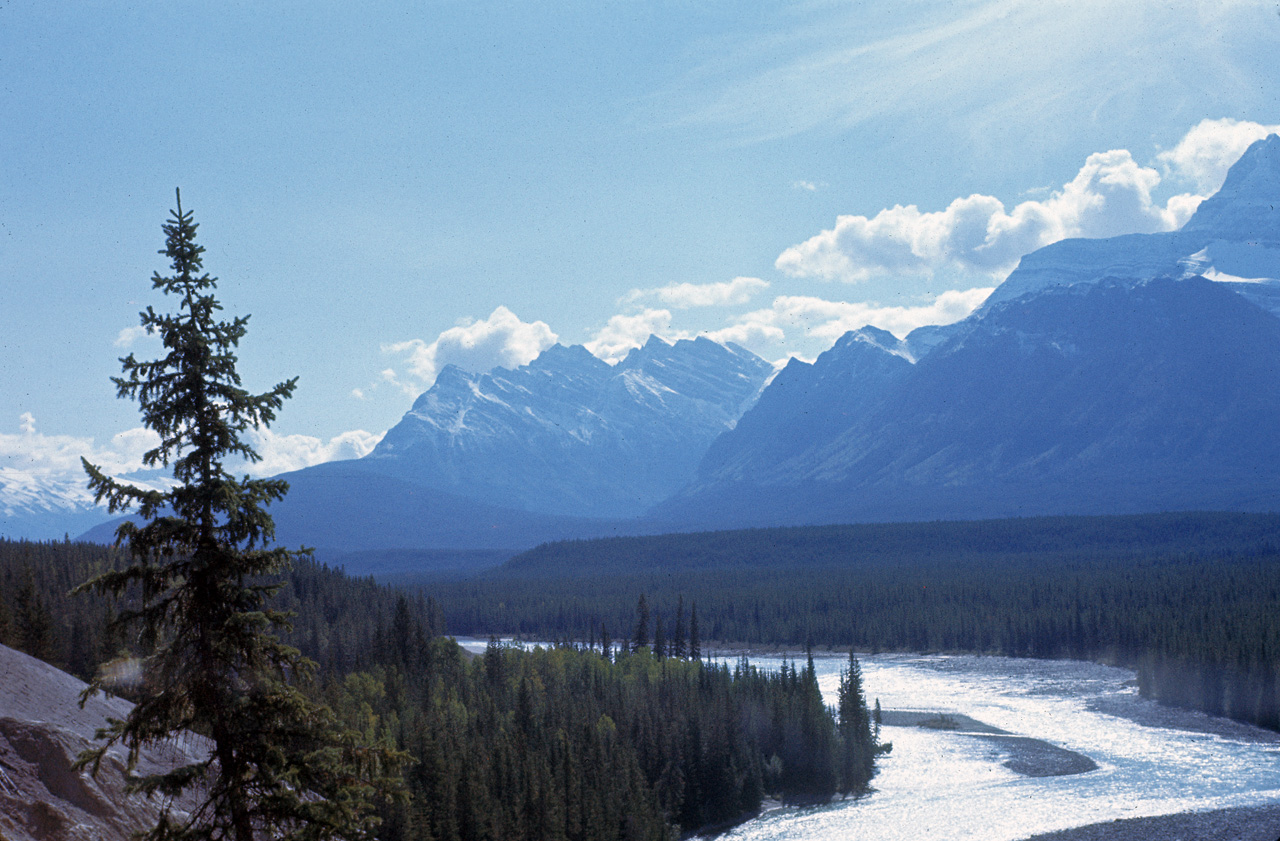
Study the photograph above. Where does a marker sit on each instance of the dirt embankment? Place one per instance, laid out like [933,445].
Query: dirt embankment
[42,731]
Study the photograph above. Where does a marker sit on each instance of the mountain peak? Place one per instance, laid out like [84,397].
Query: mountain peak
[560,356]
[1247,208]
[874,336]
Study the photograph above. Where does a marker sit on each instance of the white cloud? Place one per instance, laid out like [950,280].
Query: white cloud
[747,333]
[500,340]
[33,451]
[624,332]
[682,296]
[1205,153]
[1110,195]
[808,186]
[283,453]
[129,335]
[828,320]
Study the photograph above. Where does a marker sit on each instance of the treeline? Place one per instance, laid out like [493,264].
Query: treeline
[338,620]
[568,743]
[1189,601]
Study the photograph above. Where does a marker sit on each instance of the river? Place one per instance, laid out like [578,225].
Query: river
[1150,760]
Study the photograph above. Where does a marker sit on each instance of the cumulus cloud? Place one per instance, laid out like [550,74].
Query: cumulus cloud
[1110,195]
[500,340]
[1205,153]
[624,332]
[819,318]
[682,296]
[283,453]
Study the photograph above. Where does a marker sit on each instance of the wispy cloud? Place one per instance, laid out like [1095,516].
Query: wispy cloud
[819,318]
[833,66]
[740,290]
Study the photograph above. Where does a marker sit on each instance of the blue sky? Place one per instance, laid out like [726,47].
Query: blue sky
[391,187]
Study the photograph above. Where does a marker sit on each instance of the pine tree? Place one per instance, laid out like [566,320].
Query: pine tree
[203,571]
[695,642]
[34,622]
[677,644]
[641,637]
[857,746]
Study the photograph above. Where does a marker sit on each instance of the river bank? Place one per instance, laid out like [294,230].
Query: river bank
[1251,823]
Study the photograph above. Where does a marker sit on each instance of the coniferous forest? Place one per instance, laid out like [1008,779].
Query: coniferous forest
[639,741]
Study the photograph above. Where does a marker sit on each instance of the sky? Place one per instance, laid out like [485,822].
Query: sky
[391,187]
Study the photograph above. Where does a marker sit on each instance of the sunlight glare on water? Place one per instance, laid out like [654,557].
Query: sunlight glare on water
[938,784]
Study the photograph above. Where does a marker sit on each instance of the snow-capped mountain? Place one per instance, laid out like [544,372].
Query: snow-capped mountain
[568,434]
[1104,376]
[49,505]
[45,507]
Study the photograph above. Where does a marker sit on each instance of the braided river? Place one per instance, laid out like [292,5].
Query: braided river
[957,784]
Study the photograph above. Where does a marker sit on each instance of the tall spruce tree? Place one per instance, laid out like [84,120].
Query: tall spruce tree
[641,636]
[858,741]
[202,570]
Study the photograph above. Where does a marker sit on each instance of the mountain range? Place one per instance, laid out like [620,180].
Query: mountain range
[1137,373]
[1103,376]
